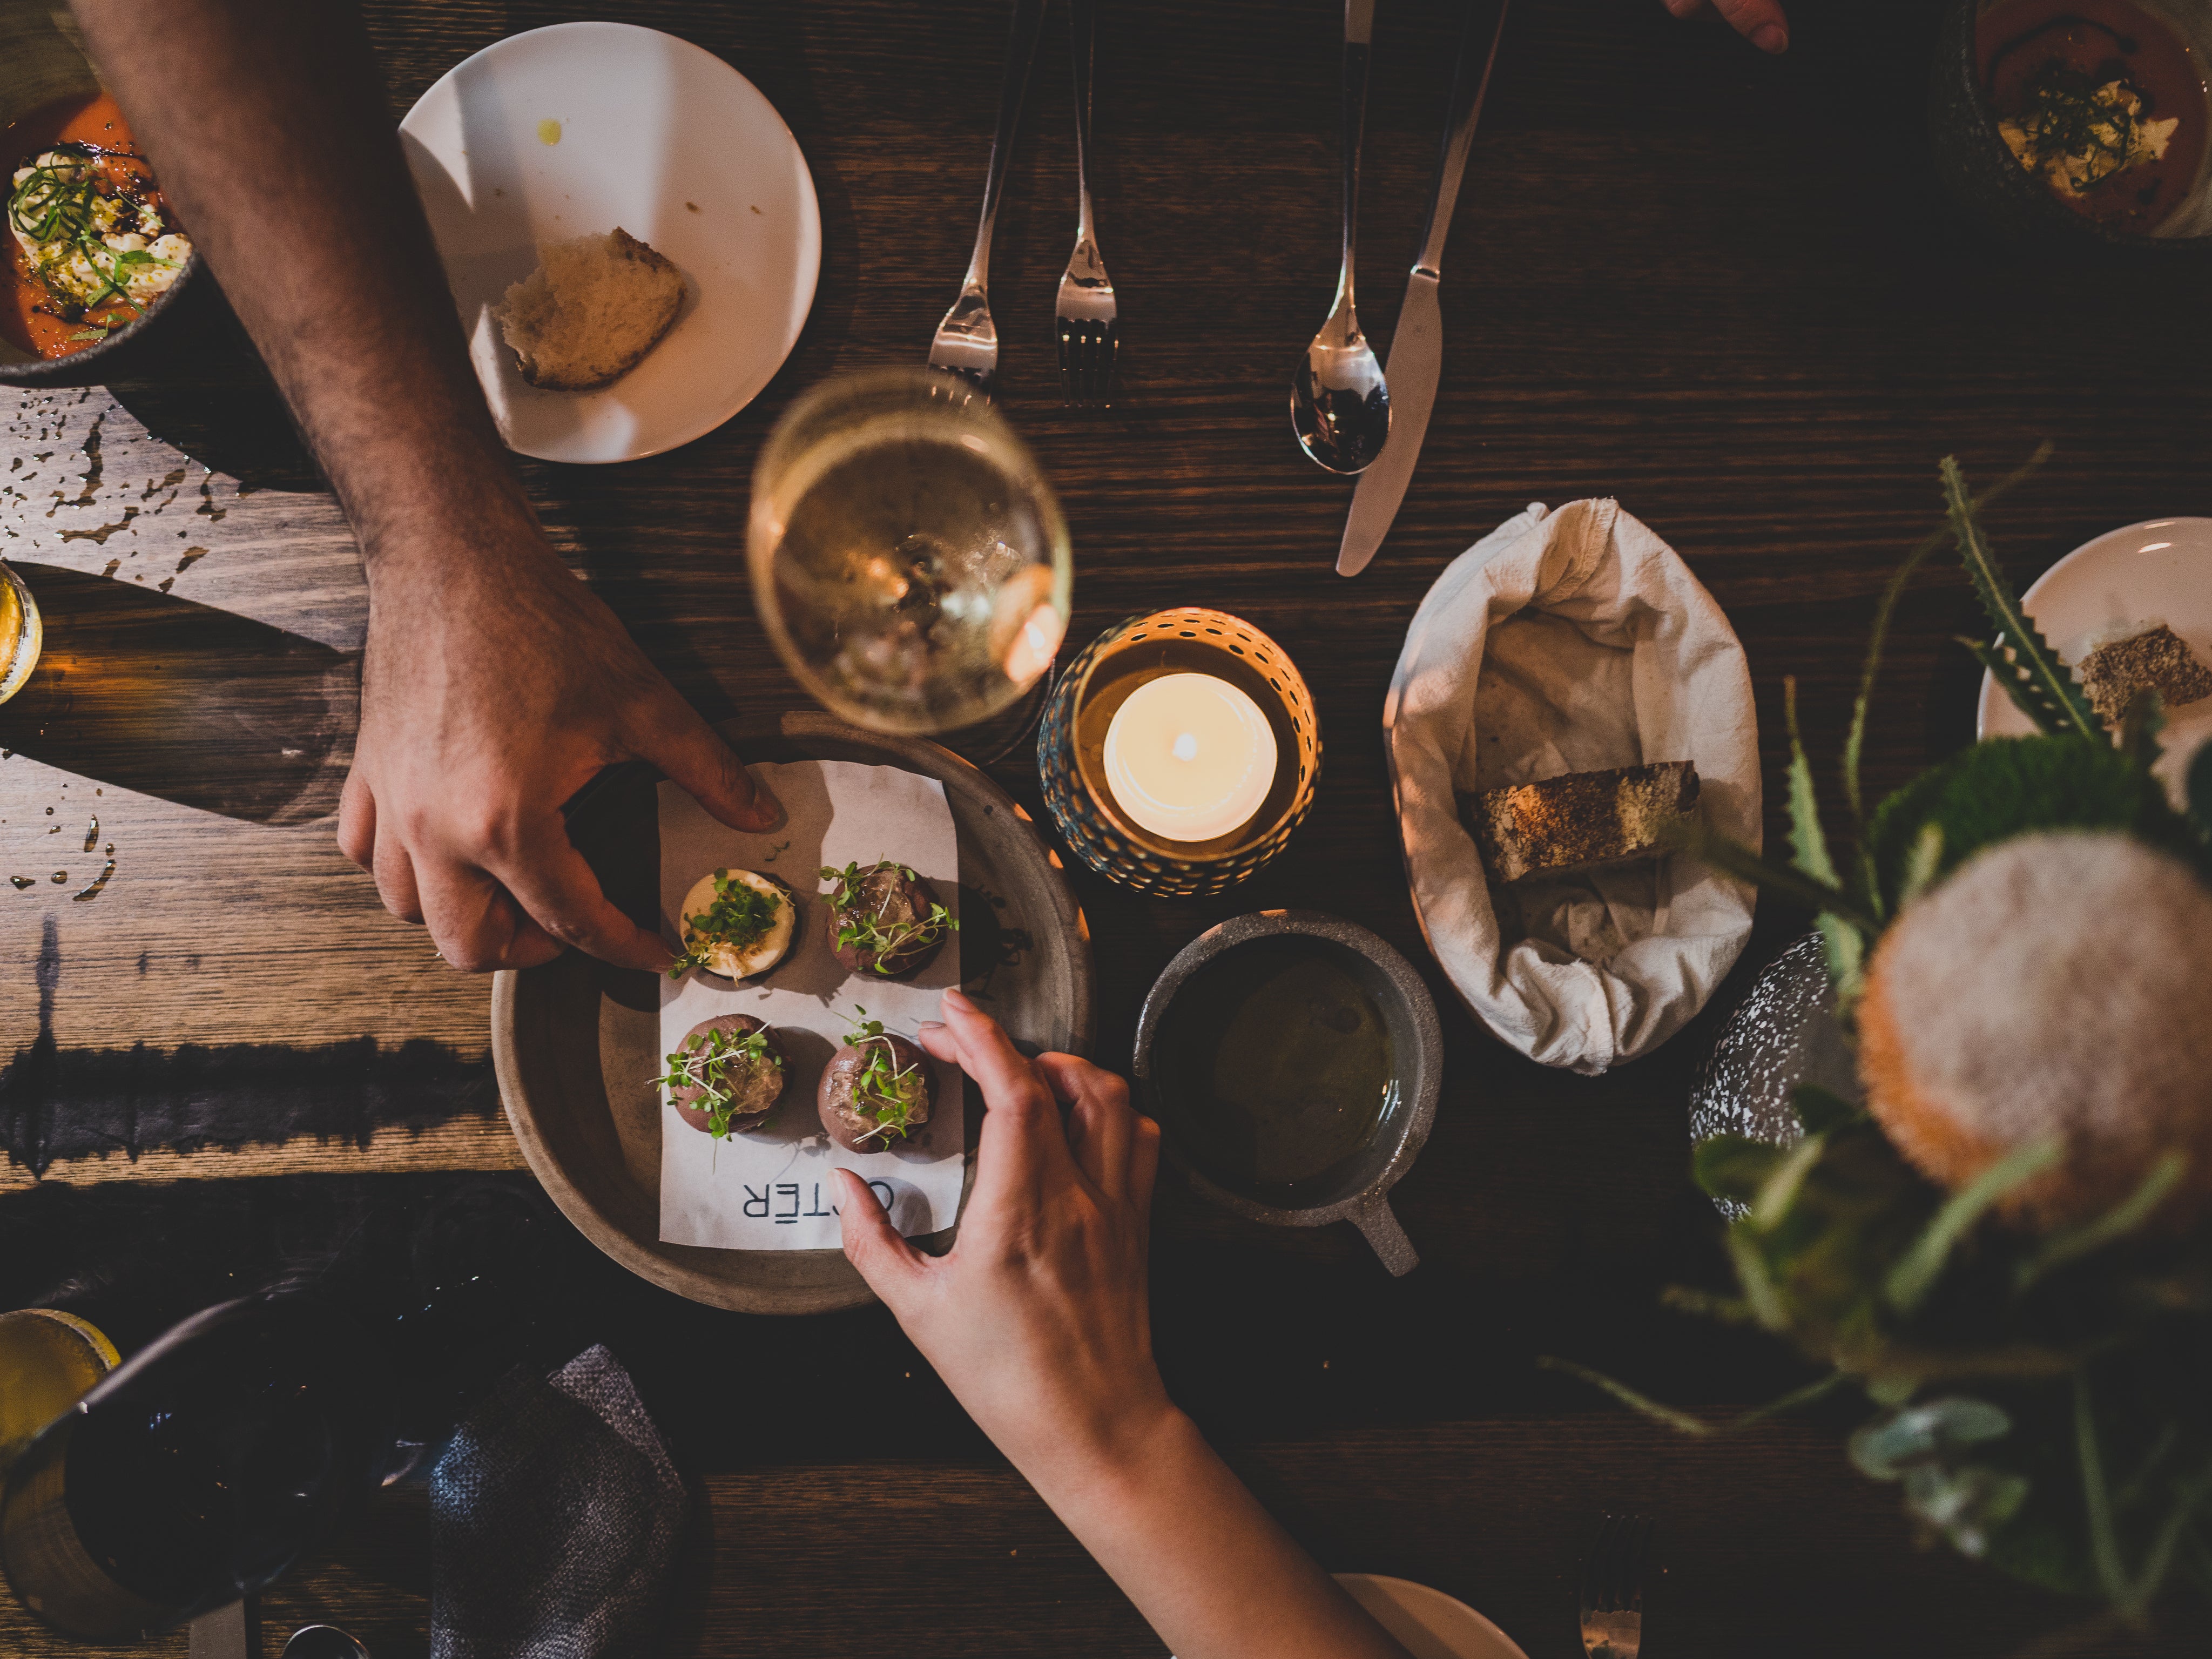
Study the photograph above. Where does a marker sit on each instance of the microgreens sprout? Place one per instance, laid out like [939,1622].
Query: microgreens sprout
[705,1060]
[739,917]
[883,1088]
[53,205]
[862,929]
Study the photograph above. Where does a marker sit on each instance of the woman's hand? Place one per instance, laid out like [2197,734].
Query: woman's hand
[1759,22]
[1038,1318]
[1037,1321]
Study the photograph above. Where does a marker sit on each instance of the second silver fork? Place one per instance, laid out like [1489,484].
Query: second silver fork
[1086,309]
[966,341]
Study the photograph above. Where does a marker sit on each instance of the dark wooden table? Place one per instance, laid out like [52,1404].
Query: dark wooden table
[1723,289]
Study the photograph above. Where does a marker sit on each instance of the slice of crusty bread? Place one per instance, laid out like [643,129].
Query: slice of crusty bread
[1582,820]
[590,312]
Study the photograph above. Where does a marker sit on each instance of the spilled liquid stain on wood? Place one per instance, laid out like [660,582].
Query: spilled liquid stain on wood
[80,1103]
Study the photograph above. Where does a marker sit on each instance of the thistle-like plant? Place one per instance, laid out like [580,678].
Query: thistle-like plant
[716,1063]
[862,927]
[2039,1396]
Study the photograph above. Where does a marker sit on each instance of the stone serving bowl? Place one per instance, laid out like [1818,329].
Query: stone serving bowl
[41,60]
[1361,1196]
[1982,175]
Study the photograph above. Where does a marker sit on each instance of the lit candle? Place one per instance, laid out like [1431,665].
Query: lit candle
[1189,758]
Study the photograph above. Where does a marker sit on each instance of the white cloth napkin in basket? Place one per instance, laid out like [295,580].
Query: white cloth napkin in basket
[1570,642]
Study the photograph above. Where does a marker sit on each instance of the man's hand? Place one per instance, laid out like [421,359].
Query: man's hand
[492,689]
[1759,22]
[1038,1318]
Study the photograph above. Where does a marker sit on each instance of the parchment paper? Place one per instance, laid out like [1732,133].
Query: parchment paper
[771,1189]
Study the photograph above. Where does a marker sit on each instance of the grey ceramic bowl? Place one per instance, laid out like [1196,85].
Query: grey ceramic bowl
[1362,1196]
[1985,180]
[41,62]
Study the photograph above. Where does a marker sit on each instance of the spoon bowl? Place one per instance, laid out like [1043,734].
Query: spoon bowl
[1339,402]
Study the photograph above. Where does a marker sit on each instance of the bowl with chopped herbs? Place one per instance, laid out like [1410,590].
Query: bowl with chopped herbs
[727,1075]
[876,1090]
[738,924]
[92,254]
[885,919]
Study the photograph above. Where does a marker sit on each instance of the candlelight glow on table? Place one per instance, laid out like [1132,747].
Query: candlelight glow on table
[1189,758]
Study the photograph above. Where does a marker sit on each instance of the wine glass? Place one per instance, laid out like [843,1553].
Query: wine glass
[908,557]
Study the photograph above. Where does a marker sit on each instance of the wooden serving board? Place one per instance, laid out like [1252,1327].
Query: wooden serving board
[560,1031]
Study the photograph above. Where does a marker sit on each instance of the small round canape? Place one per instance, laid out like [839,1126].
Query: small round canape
[876,1091]
[727,1074]
[885,920]
[737,924]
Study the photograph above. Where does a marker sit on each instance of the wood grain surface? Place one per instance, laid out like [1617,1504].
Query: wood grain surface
[1720,287]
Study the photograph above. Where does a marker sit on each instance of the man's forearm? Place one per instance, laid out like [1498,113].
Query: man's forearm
[267,129]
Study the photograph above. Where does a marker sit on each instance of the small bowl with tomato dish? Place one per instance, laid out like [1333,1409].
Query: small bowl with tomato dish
[2086,123]
[95,258]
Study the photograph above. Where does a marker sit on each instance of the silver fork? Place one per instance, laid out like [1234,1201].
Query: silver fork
[1086,293]
[967,343]
[1612,1588]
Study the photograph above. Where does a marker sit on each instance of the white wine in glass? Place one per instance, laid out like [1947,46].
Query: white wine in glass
[908,557]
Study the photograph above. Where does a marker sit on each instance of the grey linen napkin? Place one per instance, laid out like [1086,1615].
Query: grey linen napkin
[554,1518]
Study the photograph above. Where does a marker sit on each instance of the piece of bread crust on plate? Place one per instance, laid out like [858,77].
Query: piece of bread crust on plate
[590,312]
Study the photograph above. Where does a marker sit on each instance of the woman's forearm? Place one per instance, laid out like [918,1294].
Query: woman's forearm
[1213,1571]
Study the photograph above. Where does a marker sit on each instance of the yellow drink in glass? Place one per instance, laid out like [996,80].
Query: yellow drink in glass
[21,633]
[48,1359]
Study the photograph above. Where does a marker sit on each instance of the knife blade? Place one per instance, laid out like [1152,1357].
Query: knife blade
[1416,348]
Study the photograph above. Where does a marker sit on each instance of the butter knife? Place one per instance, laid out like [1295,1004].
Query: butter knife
[1416,348]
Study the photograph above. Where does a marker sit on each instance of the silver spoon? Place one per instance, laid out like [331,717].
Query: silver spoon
[1339,402]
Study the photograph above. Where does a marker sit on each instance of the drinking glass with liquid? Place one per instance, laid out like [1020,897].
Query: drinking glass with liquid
[908,557]
[22,633]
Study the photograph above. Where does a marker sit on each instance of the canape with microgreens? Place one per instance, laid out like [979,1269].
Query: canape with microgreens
[877,1090]
[884,919]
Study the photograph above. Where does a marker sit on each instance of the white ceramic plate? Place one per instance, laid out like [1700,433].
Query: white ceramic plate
[2162,568]
[1428,1624]
[656,135]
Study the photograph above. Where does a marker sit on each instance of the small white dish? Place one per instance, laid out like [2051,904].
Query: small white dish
[1427,1623]
[657,136]
[2160,568]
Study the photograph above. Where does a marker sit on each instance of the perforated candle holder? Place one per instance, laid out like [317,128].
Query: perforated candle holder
[1072,741]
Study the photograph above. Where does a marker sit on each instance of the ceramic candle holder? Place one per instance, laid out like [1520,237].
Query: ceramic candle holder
[1071,741]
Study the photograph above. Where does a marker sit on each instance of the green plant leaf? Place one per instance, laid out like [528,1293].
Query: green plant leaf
[1877,634]
[2116,1222]
[1732,858]
[1780,1189]
[1682,1422]
[1807,843]
[1732,1166]
[2023,661]
[1759,1291]
[2200,790]
[2141,725]
[1820,1110]
[2104,1542]
[1885,1449]
[1922,863]
[1916,1270]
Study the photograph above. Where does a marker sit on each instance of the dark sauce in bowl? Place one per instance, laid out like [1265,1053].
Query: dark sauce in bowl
[2047,65]
[1274,1068]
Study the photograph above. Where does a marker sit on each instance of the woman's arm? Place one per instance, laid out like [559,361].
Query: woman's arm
[1037,1319]
[494,684]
